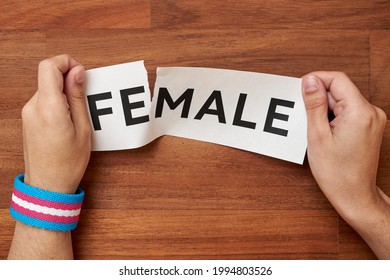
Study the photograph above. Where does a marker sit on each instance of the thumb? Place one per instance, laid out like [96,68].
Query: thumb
[316,103]
[74,91]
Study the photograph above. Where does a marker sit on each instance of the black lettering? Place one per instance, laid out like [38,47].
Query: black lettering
[128,106]
[163,94]
[219,111]
[94,111]
[271,115]
[238,115]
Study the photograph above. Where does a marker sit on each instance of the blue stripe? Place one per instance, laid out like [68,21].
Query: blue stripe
[41,224]
[48,195]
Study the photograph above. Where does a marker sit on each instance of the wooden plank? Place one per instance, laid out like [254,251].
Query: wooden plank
[7,231]
[11,158]
[380,69]
[174,173]
[41,14]
[171,234]
[20,53]
[263,14]
[183,199]
[285,52]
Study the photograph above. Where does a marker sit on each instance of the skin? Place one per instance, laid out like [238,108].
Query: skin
[343,154]
[56,146]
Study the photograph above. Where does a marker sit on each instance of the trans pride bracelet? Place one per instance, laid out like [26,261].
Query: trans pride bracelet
[45,209]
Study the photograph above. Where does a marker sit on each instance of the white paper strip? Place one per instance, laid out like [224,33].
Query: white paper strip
[256,112]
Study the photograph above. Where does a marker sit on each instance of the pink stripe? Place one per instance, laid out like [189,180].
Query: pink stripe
[45,217]
[47,203]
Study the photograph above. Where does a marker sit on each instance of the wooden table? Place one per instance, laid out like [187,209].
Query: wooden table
[184,199]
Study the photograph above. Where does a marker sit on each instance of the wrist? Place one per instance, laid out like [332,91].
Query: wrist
[50,184]
[37,234]
[45,209]
[373,225]
[368,212]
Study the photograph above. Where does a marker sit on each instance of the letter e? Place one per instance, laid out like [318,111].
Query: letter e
[128,106]
[271,115]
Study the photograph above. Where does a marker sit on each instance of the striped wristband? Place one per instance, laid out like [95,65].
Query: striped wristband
[45,209]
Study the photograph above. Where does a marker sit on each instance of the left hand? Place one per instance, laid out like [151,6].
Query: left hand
[56,127]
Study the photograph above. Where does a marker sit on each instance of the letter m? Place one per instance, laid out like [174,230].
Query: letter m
[163,94]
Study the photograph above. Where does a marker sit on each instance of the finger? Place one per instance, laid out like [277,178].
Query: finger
[316,103]
[331,101]
[340,86]
[74,91]
[50,76]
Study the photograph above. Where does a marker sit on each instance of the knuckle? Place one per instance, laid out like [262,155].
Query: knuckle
[45,64]
[341,75]
[26,111]
[344,81]
[50,63]
[372,117]
[78,94]
[368,118]
[66,56]
[381,115]
[315,101]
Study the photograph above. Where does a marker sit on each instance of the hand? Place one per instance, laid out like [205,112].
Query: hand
[56,127]
[57,145]
[343,154]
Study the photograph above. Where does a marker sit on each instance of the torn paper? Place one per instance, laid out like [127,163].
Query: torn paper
[256,112]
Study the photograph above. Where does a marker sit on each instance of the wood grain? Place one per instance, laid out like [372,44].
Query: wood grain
[42,14]
[183,199]
[187,174]
[193,234]
[7,231]
[267,51]
[20,52]
[380,69]
[263,14]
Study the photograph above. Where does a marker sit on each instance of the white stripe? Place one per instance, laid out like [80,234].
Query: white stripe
[44,209]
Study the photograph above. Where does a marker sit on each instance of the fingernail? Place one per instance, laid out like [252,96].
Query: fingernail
[310,84]
[80,76]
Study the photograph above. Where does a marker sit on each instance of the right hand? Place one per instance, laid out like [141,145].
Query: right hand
[343,154]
